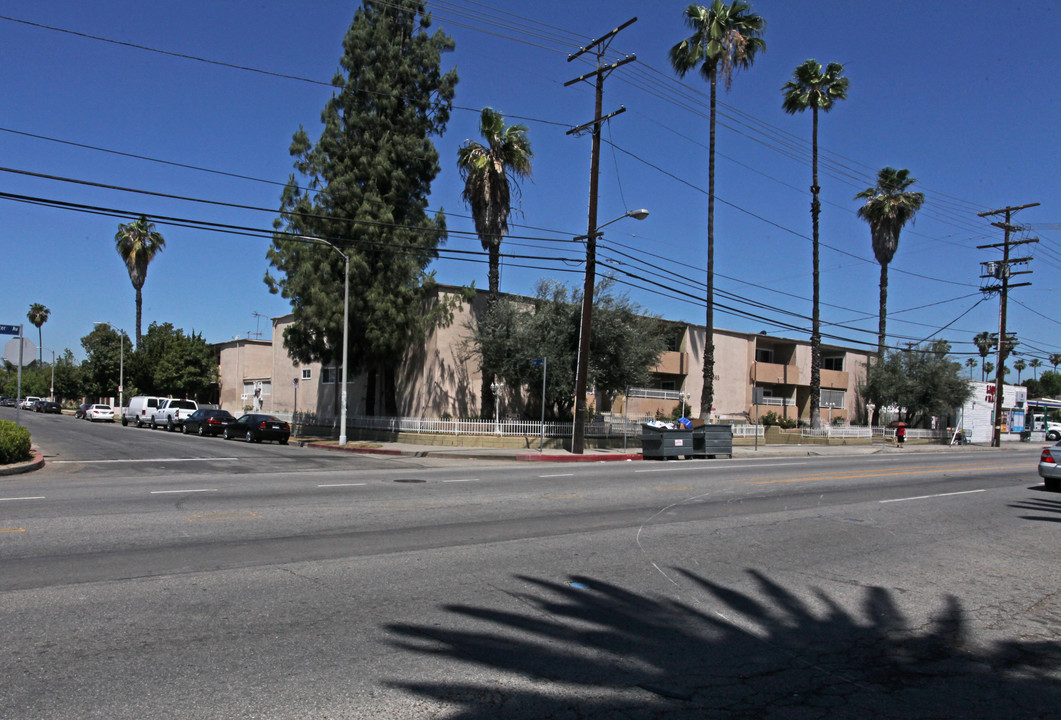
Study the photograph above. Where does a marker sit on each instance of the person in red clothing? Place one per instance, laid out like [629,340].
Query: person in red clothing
[900,435]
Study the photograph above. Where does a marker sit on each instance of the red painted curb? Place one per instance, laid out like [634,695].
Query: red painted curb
[24,467]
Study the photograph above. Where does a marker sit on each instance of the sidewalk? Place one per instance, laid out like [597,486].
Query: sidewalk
[618,455]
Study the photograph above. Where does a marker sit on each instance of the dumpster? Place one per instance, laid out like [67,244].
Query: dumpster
[712,440]
[662,443]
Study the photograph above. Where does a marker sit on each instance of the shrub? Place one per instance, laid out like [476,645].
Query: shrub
[14,442]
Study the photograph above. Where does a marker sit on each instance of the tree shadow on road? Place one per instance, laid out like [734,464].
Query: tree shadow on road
[590,649]
[1045,505]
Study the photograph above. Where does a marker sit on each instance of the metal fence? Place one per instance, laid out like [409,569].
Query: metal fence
[856,431]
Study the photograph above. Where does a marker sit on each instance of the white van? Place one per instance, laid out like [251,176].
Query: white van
[139,410]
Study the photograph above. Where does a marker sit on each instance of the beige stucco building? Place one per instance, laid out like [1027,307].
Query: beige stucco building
[442,377]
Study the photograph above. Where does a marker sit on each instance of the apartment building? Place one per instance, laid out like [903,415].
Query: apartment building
[442,377]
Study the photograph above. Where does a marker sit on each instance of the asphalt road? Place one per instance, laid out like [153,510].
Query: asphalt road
[146,574]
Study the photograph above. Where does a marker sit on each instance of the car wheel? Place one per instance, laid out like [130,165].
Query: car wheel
[201,431]
[184,429]
[1053,435]
[169,424]
[1053,484]
[226,434]
[283,441]
[125,421]
[250,436]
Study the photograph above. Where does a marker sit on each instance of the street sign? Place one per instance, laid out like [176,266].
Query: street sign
[10,330]
[29,351]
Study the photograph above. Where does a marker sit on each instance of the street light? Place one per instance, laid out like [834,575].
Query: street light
[346,329]
[495,388]
[121,370]
[578,440]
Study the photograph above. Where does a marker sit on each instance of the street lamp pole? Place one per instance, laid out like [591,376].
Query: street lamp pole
[346,330]
[578,432]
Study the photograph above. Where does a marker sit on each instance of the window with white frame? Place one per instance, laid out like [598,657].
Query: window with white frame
[307,374]
[832,398]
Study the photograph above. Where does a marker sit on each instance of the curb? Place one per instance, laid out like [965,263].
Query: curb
[535,457]
[24,467]
[472,455]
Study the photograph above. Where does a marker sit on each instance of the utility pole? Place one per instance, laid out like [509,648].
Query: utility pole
[601,46]
[1001,271]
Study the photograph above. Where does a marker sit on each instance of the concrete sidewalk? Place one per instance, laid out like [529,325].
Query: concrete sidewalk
[618,455]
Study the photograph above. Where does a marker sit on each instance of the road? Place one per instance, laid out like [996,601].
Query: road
[148,574]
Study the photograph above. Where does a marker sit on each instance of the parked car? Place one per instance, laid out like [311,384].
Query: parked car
[99,412]
[207,421]
[81,410]
[7,402]
[51,407]
[255,428]
[29,402]
[139,410]
[1050,467]
[172,413]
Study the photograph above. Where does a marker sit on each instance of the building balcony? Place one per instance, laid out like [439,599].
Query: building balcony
[672,363]
[835,379]
[775,374]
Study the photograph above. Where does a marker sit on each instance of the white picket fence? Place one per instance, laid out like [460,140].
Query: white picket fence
[855,431]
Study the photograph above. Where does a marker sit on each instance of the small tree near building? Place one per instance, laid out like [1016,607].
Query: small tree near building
[924,381]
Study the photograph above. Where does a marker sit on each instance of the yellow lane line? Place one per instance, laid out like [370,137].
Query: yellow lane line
[878,473]
[7,530]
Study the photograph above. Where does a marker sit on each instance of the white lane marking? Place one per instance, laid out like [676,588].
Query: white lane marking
[38,497]
[343,485]
[171,492]
[925,497]
[147,460]
[558,475]
[464,480]
[660,470]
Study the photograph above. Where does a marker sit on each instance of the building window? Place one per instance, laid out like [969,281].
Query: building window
[764,355]
[307,374]
[666,385]
[835,362]
[831,398]
[328,375]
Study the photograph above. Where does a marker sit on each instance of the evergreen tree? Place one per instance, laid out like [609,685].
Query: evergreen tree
[367,179]
[924,380]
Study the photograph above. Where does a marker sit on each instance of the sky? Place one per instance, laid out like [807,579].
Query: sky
[199,100]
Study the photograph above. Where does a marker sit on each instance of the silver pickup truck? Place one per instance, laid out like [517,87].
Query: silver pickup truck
[172,413]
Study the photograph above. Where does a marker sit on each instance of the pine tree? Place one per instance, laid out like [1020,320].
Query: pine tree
[364,193]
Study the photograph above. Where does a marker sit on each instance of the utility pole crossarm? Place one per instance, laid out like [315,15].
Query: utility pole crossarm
[603,38]
[602,71]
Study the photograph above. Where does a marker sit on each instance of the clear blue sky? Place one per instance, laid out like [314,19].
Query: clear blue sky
[963,95]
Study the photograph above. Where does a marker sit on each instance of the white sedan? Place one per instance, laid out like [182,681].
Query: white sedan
[99,412]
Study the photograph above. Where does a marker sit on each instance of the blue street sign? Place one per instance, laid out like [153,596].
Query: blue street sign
[537,362]
[9,330]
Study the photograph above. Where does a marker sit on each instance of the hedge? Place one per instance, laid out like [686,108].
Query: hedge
[14,443]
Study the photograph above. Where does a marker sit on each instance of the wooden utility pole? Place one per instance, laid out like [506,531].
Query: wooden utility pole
[1001,271]
[601,46]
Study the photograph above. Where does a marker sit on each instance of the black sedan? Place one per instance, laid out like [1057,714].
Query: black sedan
[255,428]
[207,421]
[50,407]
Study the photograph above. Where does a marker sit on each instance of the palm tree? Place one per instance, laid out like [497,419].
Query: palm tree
[812,87]
[1019,366]
[1035,364]
[970,363]
[725,39]
[1055,360]
[987,368]
[984,344]
[888,207]
[138,243]
[38,315]
[490,171]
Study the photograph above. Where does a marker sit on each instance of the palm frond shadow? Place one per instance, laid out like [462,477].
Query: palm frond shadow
[610,652]
[1044,505]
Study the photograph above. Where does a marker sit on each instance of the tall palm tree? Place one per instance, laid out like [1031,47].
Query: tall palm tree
[490,171]
[725,39]
[987,368]
[1020,366]
[138,243]
[817,89]
[1035,364]
[984,344]
[888,207]
[1055,360]
[970,363]
[38,315]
